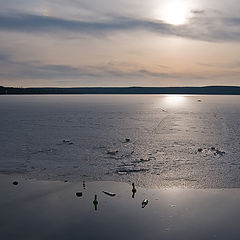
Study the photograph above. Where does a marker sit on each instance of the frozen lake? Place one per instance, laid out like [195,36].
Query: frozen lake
[181,141]
[37,210]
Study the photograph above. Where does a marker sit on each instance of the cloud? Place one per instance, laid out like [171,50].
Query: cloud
[40,23]
[18,73]
[202,26]
[226,65]
[198,11]
[3,57]
[30,70]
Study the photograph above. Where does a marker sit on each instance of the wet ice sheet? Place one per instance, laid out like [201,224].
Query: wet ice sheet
[165,132]
[50,210]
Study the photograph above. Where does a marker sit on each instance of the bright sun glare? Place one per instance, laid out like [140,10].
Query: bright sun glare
[175,13]
[174,100]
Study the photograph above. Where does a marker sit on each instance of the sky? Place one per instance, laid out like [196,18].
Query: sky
[69,43]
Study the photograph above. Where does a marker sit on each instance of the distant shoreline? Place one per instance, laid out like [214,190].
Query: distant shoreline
[208,90]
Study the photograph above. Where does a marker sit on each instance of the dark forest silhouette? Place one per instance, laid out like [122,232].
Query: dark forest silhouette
[218,90]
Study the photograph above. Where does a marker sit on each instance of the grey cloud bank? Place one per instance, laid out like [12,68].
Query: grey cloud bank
[200,27]
[104,75]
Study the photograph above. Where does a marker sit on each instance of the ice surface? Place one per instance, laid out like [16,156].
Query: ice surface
[68,137]
[57,210]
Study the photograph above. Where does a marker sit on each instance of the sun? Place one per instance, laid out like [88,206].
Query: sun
[45,12]
[175,13]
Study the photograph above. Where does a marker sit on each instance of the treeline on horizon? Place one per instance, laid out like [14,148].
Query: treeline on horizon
[219,90]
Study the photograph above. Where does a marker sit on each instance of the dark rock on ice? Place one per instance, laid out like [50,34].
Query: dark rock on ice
[79,194]
[142,160]
[109,193]
[200,150]
[220,152]
[122,171]
[211,150]
[15,183]
[112,152]
[69,142]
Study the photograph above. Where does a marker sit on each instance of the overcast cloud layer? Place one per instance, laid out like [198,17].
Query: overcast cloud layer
[118,43]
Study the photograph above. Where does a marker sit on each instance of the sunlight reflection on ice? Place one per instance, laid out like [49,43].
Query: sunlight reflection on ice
[174,100]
